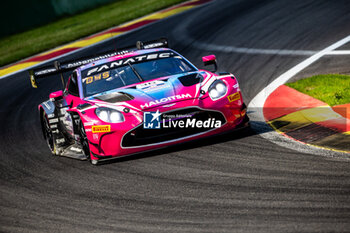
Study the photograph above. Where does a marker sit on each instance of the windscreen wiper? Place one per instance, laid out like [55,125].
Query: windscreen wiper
[135,72]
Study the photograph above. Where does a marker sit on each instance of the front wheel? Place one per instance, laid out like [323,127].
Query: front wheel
[84,141]
[48,135]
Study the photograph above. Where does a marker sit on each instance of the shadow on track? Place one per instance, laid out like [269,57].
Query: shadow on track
[211,140]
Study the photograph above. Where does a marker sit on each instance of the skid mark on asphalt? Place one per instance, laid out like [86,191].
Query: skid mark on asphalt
[233,49]
[182,35]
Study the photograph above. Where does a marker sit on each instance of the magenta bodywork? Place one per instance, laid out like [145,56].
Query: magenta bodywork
[170,97]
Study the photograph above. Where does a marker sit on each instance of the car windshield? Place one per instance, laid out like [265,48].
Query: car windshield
[104,79]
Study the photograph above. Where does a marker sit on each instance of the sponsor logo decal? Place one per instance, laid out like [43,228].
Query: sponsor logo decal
[96,77]
[95,136]
[75,149]
[155,120]
[166,99]
[47,105]
[168,105]
[233,97]
[80,63]
[152,86]
[53,121]
[123,62]
[151,120]
[60,140]
[90,123]
[101,128]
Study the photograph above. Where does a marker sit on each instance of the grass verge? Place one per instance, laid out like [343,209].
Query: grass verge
[333,89]
[31,42]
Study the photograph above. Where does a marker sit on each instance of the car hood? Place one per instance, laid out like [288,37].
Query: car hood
[150,94]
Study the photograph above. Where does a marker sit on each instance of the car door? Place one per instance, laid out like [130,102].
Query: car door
[70,100]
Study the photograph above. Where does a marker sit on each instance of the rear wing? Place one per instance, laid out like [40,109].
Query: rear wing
[59,68]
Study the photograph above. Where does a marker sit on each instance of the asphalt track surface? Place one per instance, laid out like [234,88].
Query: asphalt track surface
[239,182]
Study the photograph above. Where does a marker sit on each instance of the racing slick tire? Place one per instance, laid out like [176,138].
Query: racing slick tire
[84,142]
[48,135]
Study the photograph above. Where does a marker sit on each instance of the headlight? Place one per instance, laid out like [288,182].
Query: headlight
[217,90]
[109,115]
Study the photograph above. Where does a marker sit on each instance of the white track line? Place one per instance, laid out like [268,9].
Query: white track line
[288,52]
[233,49]
[255,106]
[260,98]
[339,52]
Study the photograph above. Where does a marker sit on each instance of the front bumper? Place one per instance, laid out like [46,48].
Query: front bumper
[171,129]
[130,137]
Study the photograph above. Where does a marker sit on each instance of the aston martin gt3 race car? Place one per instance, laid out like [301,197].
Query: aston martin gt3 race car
[135,100]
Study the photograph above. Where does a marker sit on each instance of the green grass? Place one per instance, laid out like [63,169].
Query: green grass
[333,89]
[31,42]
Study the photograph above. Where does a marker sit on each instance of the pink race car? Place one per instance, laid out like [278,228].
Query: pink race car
[140,99]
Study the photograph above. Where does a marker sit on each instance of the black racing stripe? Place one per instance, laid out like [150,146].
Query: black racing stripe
[311,133]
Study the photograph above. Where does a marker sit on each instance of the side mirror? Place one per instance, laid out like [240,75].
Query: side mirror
[210,60]
[56,95]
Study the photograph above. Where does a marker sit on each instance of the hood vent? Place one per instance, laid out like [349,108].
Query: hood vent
[190,80]
[115,97]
